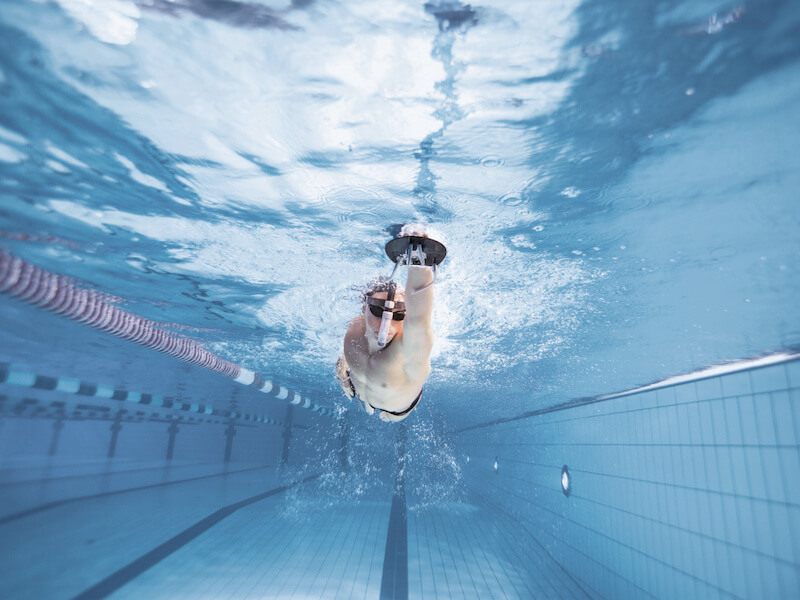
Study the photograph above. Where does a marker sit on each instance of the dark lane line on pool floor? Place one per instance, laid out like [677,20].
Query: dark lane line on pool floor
[394,581]
[129,572]
[55,503]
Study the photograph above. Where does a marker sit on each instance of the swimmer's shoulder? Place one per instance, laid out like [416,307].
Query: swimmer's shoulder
[355,341]
[356,328]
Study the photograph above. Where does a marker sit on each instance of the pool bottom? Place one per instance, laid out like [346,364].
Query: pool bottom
[205,531]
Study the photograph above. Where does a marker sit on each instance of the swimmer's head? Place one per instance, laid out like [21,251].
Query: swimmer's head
[372,303]
[382,285]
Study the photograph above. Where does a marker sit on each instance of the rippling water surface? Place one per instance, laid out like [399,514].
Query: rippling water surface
[616,181]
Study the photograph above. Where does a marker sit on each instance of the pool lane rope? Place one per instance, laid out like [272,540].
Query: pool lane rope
[58,294]
[12,375]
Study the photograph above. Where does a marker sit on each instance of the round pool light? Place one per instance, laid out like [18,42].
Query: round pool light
[566,481]
[495,465]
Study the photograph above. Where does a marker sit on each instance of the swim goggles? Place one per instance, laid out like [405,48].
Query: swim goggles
[376,307]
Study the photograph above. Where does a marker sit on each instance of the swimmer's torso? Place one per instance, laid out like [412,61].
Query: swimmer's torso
[380,377]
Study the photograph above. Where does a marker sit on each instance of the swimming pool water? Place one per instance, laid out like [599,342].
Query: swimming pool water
[616,185]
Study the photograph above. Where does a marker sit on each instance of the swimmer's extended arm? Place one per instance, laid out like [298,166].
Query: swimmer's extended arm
[417,331]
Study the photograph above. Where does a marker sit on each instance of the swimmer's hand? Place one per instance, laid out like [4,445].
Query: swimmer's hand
[413,229]
[415,255]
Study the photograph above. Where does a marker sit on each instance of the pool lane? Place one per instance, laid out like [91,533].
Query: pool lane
[248,535]
[145,562]
[35,494]
[319,550]
[63,551]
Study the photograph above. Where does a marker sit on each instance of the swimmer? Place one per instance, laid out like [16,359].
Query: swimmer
[387,348]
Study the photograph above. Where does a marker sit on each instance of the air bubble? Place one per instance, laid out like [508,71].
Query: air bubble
[571,192]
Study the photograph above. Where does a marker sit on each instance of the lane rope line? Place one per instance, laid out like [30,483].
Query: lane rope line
[13,376]
[60,295]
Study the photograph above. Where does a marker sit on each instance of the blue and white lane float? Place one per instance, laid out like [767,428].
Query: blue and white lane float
[60,295]
[11,375]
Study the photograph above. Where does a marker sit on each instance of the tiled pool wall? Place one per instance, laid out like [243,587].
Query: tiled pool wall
[80,421]
[36,424]
[687,491]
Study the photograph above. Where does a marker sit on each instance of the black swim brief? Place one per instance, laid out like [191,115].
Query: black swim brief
[396,414]
[403,413]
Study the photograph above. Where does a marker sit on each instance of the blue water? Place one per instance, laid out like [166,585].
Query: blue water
[616,183]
